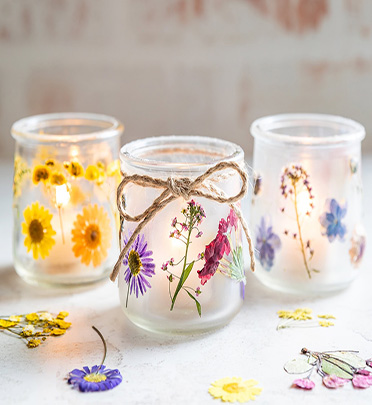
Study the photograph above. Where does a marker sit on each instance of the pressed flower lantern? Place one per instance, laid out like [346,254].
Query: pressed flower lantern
[306,210]
[65,220]
[182,266]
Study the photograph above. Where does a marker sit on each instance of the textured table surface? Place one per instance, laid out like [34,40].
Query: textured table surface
[176,370]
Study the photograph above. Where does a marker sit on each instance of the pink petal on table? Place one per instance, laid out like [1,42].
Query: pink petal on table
[332,381]
[303,383]
[362,381]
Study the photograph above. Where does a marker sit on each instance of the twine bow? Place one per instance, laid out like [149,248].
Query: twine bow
[174,188]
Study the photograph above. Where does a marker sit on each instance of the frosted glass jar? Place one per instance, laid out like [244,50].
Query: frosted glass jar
[65,177]
[212,263]
[306,211]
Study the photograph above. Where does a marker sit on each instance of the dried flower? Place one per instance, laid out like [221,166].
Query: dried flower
[332,381]
[326,324]
[299,314]
[235,389]
[303,383]
[331,220]
[267,242]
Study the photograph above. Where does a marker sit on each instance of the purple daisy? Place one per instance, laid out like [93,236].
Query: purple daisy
[99,378]
[139,266]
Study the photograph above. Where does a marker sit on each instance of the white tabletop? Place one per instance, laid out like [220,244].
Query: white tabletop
[175,370]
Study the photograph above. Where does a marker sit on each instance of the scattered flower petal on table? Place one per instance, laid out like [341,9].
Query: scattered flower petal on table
[303,383]
[231,389]
[332,381]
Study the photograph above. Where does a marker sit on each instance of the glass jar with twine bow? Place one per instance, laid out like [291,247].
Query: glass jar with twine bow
[181,267]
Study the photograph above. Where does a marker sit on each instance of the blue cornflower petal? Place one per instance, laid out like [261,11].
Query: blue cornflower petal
[331,220]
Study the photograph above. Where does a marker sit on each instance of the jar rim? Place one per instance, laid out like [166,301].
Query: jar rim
[219,149]
[273,127]
[28,129]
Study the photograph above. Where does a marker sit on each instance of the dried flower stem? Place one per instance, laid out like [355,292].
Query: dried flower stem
[104,347]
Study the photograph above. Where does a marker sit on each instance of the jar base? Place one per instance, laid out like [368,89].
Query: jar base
[61,283]
[309,289]
[183,327]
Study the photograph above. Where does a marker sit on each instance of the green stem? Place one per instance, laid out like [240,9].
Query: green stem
[299,232]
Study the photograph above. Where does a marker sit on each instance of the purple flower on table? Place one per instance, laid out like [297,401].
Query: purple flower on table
[332,381]
[303,383]
[99,378]
[267,242]
[139,264]
[331,220]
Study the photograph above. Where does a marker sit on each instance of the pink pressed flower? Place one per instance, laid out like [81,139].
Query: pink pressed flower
[174,222]
[199,234]
[362,381]
[184,227]
[197,291]
[191,203]
[164,266]
[303,383]
[369,363]
[363,372]
[171,261]
[332,381]
[232,220]
[223,226]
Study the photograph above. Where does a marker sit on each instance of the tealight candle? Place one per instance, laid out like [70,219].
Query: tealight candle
[65,176]
[183,269]
[306,211]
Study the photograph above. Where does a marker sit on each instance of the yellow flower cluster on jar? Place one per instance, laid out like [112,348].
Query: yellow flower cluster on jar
[35,327]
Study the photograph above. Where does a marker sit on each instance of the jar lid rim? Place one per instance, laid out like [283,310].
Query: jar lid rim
[267,127]
[24,129]
[127,152]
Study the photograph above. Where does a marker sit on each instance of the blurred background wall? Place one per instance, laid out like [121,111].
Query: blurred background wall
[206,67]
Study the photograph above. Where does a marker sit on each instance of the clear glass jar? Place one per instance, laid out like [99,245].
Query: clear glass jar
[306,211]
[65,176]
[178,241]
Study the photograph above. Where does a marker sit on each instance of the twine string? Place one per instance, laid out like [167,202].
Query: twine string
[179,187]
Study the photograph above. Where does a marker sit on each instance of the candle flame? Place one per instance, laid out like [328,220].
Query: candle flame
[62,195]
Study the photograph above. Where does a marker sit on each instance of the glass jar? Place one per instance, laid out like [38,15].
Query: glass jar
[184,271]
[306,210]
[65,176]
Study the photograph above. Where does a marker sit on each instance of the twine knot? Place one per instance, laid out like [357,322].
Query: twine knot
[179,187]
[174,188]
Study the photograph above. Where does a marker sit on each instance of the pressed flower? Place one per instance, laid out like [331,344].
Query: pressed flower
[58,332]
[28,330]
[33,343]
[4,323]
[358,245]
[332,381]
[331,220]
[38,230]
[299,314]
[97,378]
[139,266]
[326,316]
[91,235]
[267,242]
[303,383]
[62,324]
[40,173]
[92,173]
[234,389]
[15,318]
[362,381]
[43,316]
[32,317]
[326,324]
[62,315]
[74,168]
[57,179]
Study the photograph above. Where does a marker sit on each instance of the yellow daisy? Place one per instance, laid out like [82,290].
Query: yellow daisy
[40,173]
[231,389]
[92,173]
[91,235]
[38,230]
[57,179]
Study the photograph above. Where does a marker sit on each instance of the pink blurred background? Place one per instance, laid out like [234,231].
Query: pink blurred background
[207,67]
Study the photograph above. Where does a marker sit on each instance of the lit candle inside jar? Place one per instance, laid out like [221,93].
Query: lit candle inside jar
[307,205]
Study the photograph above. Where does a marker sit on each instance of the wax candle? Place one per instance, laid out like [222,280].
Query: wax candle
[306,205]
[184,271]
[65,222]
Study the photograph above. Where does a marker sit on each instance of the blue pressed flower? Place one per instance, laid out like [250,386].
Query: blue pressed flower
[99,378]
[331,220]
[139,266]
[267,242]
